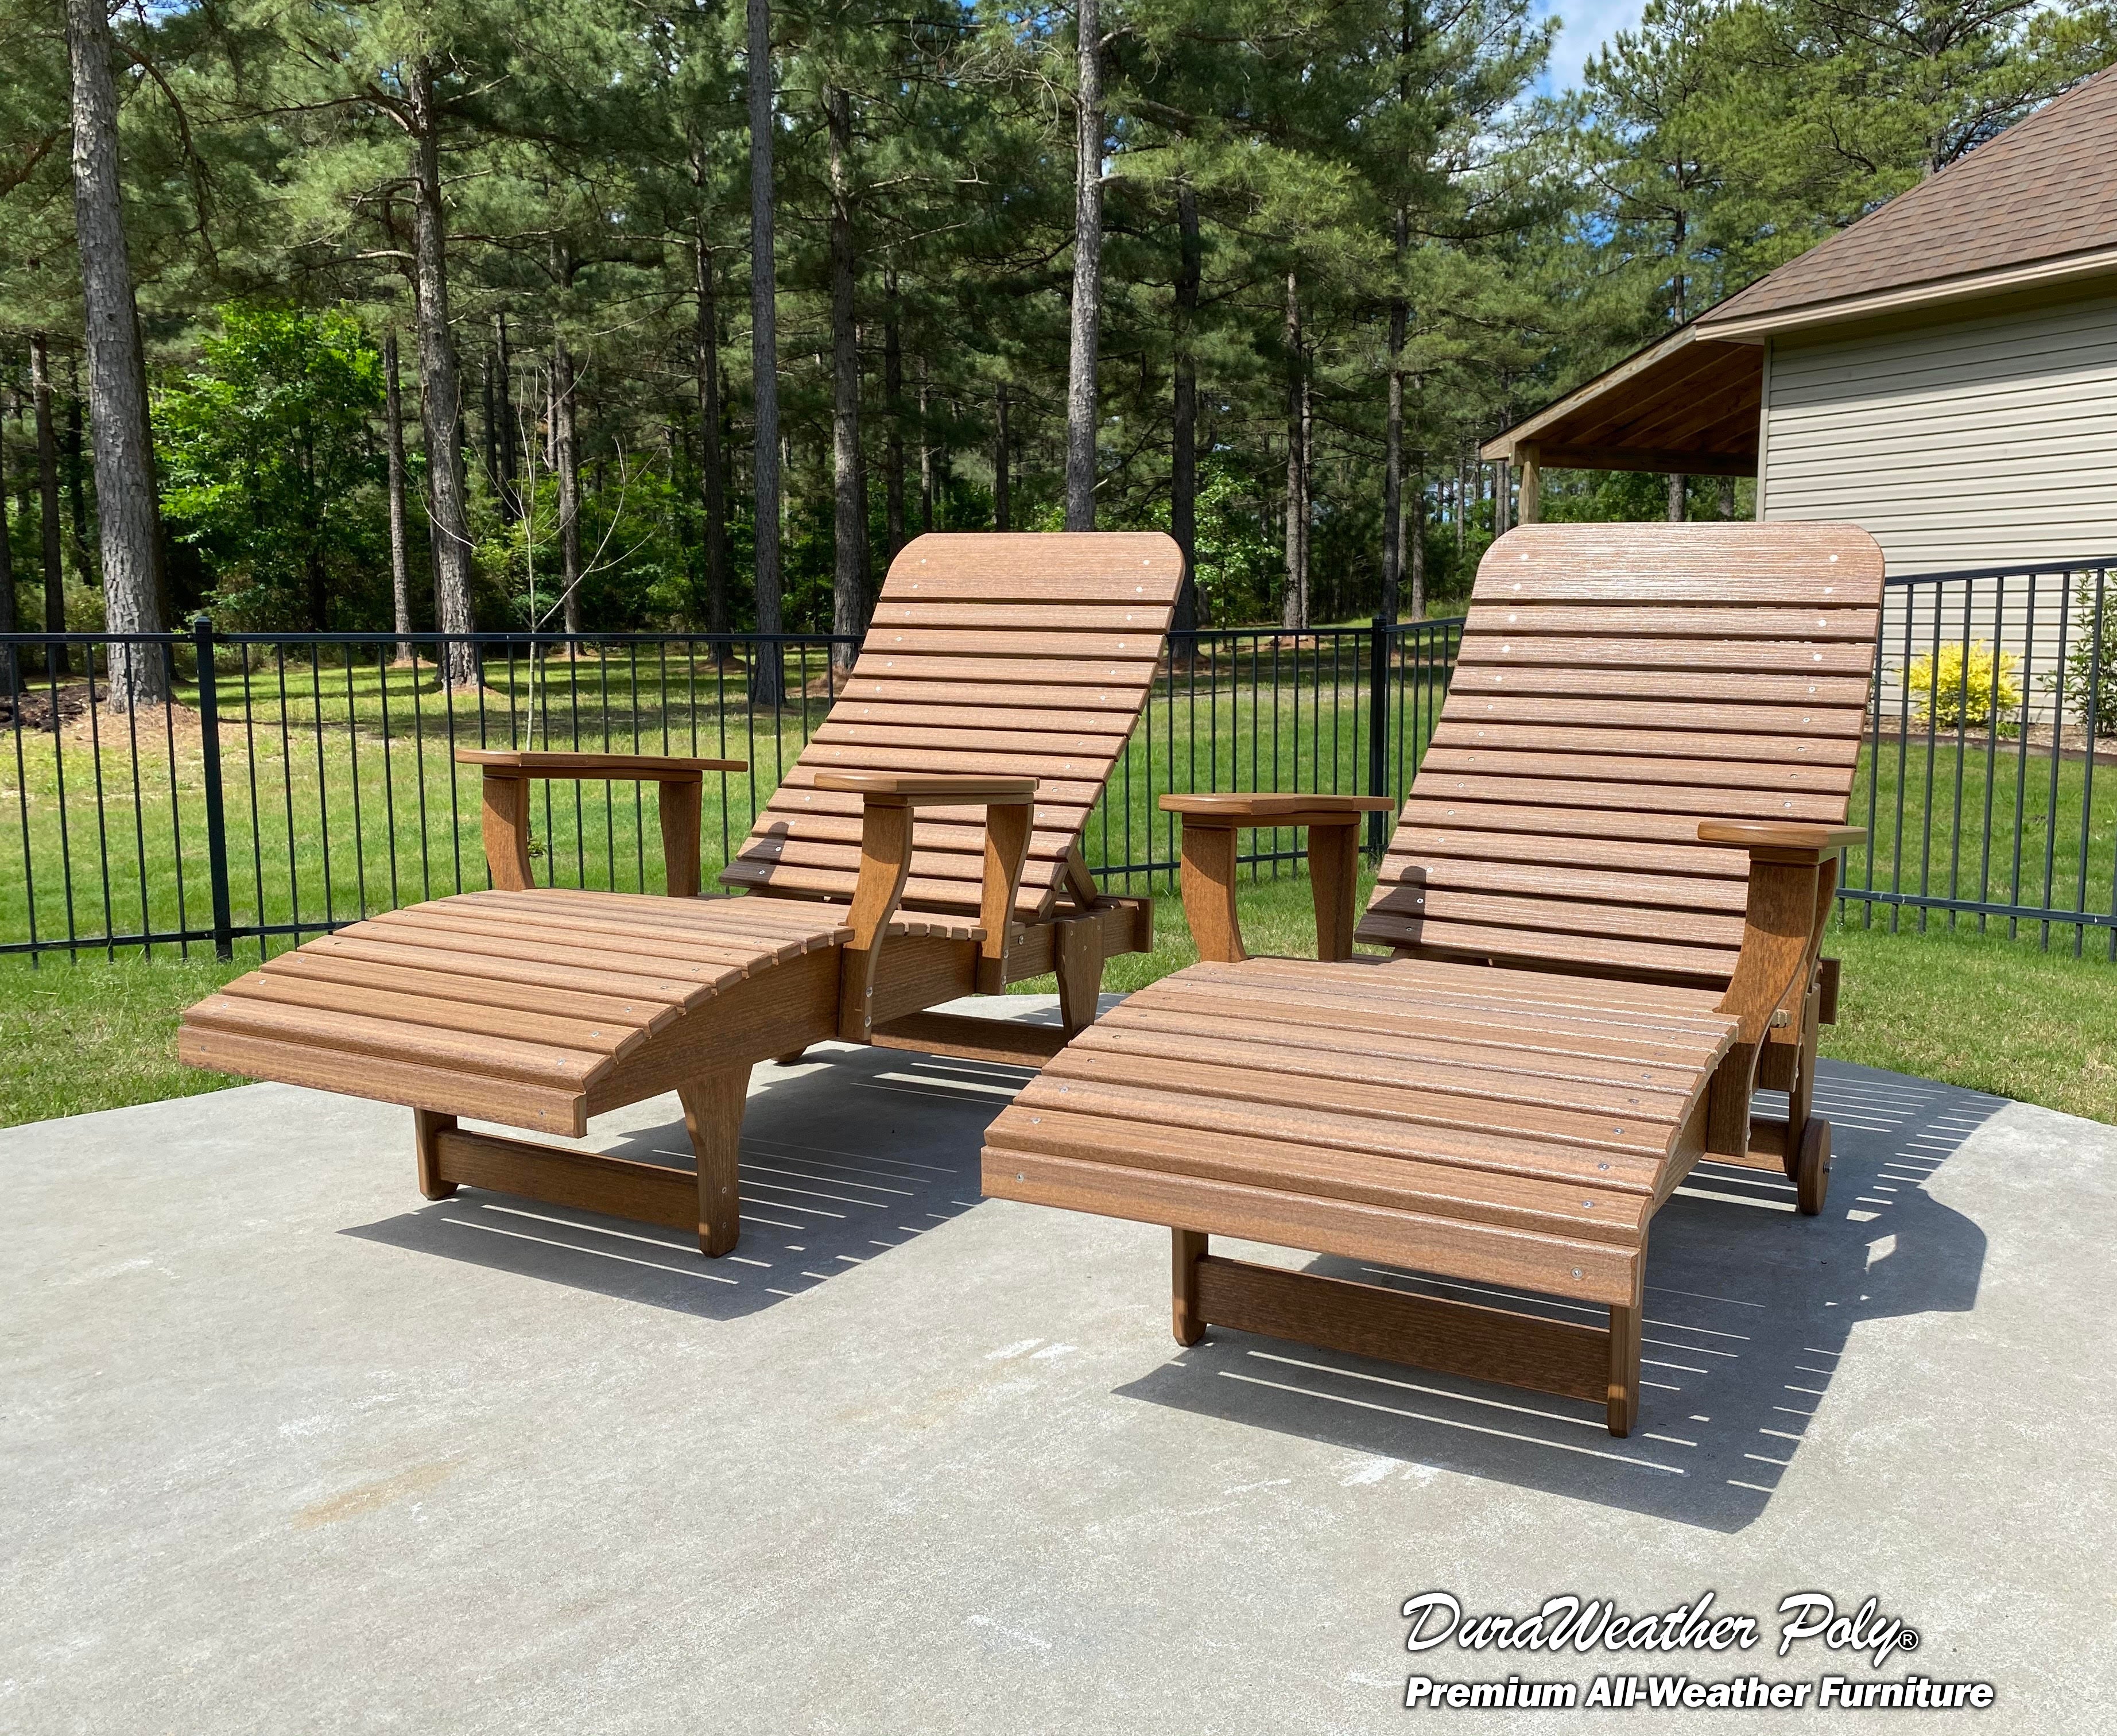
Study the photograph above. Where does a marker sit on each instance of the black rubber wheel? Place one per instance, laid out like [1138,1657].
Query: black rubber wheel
[1810,1169]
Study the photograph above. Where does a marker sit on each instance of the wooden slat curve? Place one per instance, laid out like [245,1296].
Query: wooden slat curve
[1615,686]
[1021,655]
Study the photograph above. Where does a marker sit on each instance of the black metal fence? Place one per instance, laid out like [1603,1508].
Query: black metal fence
[294,783]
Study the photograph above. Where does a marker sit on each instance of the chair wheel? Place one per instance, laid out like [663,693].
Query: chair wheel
[1809,1168]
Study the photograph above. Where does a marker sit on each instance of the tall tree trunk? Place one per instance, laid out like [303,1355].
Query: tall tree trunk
[440,401]
[116,374]
[56,656]
[849,565]
[1675,483]
[76,500]
[1294,611]
[1415,533]
[1080,404]
[1003,482]
[712,484]
[892,394]
[1727,496]
[925,455]
[1184,456]
[10,668]
[767,683]
[1503,497]
[508,482]
[1399,321]
[491,367]
[400,549]
[567,462]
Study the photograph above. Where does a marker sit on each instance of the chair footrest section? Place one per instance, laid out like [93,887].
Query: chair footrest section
[1462,1338]
[970,1038]
[587,1181]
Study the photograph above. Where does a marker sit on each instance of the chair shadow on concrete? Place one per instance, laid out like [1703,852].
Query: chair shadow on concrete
[1750,1312]
[853,1153]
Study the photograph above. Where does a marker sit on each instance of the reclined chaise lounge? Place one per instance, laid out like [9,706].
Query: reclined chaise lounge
[925,845]
[1603,908]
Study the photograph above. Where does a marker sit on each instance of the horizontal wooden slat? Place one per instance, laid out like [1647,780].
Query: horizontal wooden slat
[405,1005]
[423,927]
[948,710]
[924,685]
[1536,995]
[1603,953]
[1060,778]
[1406,1184]
[1459,815]
[1412,844]
[1700,620]
[503,966]
[1755,774]
[995,735]
[1836,721]
[1452,1247]
[1635,651]
[538,1064]
[1043,672]
[519,1103]
[1705,804]
[1847,692]
[885,641]
[1071,616]
[1563,916]
[1519,1082]
[444,987]
[1664,743]
[1437,1038]
[1546,879]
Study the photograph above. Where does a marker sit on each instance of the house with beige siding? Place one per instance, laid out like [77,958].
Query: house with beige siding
[1944,372]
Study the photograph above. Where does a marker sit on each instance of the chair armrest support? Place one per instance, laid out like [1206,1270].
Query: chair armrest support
[1210,822]
[888,802]
[679,789]
[1793,881]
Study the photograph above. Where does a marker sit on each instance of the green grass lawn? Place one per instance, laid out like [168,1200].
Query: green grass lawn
[1979,1011]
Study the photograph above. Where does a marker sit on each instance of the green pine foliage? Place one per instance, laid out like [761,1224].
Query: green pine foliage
[1388,160]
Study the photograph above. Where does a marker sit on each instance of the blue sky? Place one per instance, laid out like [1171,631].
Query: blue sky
[1589,23]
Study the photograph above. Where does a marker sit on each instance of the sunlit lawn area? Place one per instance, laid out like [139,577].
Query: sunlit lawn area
[1979,1011]
[341,795]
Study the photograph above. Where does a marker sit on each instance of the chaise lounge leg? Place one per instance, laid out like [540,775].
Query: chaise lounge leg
[1623,1407]
[1080,966]
[1187,1247]
[1807,1154]
[426,1130]
[712,1117]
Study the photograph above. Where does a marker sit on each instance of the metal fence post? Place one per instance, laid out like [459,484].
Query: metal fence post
[1378,666]
[216,813]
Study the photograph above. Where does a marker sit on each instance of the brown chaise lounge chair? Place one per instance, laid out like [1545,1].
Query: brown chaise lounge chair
[997,687]
[1603,905]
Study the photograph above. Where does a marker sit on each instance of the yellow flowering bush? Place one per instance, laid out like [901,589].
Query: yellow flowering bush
[1948,695]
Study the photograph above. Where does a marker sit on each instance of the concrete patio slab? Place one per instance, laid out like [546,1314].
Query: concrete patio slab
[287,1449]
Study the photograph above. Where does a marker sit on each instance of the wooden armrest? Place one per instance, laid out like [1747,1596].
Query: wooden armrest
[509,772]
[1210,822]
[928,789]
[887,801]
[1804,839]
[1246,810]
[557,763]
[1793,880]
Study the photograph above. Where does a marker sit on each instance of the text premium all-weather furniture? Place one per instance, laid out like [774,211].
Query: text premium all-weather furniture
[1603,905]
[925,846]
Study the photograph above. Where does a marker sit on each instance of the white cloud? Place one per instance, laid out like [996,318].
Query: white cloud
[1588,23]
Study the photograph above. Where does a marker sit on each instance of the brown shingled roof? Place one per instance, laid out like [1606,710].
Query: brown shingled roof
[2041,190]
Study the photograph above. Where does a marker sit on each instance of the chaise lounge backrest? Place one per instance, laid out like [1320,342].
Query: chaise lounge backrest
[1613,689]
[1001,653]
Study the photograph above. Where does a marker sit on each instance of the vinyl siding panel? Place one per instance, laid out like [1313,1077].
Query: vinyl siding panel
[1968,443]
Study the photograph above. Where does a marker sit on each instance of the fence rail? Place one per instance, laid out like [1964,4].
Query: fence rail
[294,782]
